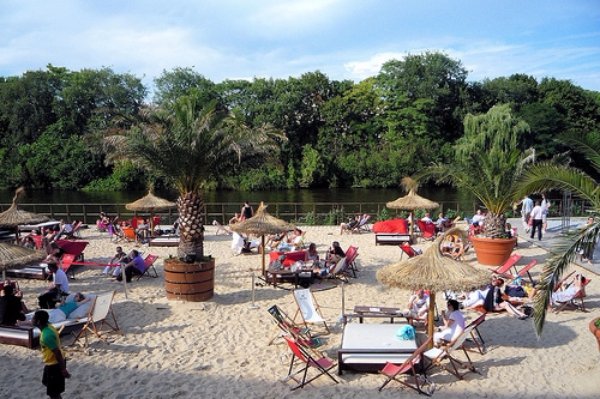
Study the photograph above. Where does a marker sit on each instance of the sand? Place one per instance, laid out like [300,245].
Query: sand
[219,348]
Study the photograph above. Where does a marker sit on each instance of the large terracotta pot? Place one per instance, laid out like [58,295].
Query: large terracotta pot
[493,251]
[192,282]
[595,330]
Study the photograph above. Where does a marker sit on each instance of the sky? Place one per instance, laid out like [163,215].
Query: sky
[345,39]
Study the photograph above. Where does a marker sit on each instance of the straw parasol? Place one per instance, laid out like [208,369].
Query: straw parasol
[260,224]
[150,203]
[13,216]
[14,255]
[435,272]
[412,200]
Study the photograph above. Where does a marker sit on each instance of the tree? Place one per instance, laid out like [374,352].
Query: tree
[487,163]
[547,176]
[190,145]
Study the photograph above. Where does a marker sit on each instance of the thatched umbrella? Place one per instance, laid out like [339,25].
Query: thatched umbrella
[435,272]
[13,216]
[412,200]
[14,255]
[150,203]
[260,224]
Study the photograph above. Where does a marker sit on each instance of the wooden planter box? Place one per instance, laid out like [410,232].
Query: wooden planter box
[191,282]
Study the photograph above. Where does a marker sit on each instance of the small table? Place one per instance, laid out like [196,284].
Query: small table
[367,347]
[375,311]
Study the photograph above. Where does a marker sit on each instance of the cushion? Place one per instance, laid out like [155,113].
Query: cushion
[83,310]
[391,226]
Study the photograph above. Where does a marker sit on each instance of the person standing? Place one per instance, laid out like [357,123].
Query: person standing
[545,205]
[247,211]
[55,365]
[526,208]
[537,215]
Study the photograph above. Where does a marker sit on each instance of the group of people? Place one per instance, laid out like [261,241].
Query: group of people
[48,235]
[354,223]
[534,215]
[131,264]
[320,266]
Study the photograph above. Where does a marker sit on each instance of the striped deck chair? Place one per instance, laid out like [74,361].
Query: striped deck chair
[100,316]
[308,309]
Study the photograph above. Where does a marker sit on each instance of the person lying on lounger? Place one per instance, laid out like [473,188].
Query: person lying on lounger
[62,312]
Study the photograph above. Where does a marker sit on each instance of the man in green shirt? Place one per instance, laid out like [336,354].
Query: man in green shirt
[55,369]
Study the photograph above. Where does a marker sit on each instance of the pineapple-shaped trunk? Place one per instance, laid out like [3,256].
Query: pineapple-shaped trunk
[494,225]
[191,243]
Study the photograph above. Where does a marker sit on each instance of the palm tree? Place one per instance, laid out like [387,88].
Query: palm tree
[546,176]
[487,164]
[190,146]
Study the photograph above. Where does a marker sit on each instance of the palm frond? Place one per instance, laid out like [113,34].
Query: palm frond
[587,144]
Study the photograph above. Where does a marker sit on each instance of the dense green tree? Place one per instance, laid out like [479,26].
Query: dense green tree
[171,85]
[516,90]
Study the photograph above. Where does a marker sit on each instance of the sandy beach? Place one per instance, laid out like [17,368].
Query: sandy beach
[219,348]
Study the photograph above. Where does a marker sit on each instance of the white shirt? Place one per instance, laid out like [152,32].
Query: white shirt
[477,218]
[527,205]
[60,278]
[459,323]
[426,219]
[537,213]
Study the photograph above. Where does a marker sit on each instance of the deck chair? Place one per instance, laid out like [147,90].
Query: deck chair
[221,230]
[149,263]
[309,309]
[394,372]
[308,359]
[438,355]
[525,271]
[409,251]
[575,302]
[351,255]
[476,337]
[509,264]
[99,316]
[363,225]
[340,270]
[289,327]
[129,234]
[427,230]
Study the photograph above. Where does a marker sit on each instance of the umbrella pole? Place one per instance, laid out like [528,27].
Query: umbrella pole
[431,316]
[123,277]
[262,243]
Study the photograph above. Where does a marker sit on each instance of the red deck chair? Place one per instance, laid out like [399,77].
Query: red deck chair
[408,250]
[73,254]
[351,255]
[427,230]
[525,271]
[510,262]
[149,263]
[309,359]
[393,371]
[576,302]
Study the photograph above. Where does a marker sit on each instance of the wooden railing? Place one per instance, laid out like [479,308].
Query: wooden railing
[306,213]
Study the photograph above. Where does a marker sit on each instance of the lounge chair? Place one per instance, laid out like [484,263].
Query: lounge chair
[99,316]
[408,250]
[509,264]
[129,234]
[575,301]
[525,271]
[287,326]
[427,229]
[438,355]
[149,263]
[363,225]
[309,359]
[221,230]
[394,372]
[339,271]
[476,337]
[351,255]
[309,309]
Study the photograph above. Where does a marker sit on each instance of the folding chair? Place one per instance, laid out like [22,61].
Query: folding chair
[287,325]
[393,372]
[149,263]
[510,262]
[437,355]
[476,337]
[427,230]
[525,271]
[100,311]
[571,302]
[308,308]
[408,250]
[309,359]
[129,234]
[339,270]
[351,255]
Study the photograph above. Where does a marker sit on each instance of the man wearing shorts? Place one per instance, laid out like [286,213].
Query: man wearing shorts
[55,369]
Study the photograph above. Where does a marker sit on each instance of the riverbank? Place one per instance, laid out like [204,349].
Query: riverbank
[220,348]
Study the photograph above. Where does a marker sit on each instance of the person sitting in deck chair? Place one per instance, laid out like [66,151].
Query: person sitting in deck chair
[418,306]
[568,290]
[119,257]
[454,324]
[352,223]
[136,266]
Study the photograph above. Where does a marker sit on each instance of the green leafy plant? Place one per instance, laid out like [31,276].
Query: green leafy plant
[383,214]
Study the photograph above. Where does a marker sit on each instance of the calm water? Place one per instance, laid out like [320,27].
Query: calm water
[306,196]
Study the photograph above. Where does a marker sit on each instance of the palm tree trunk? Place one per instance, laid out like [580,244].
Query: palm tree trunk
[191,242]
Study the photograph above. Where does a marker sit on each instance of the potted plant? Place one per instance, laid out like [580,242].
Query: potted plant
[595,329]
[487,164]
[190,145]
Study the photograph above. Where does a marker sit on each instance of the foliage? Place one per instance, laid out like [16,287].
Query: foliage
[383,214]
[125,176]
[310,219]
[332,217]
[488,163]
[547,176]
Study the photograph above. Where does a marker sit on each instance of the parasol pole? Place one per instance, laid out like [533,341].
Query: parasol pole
[431,316]
[262,243]
[123,278]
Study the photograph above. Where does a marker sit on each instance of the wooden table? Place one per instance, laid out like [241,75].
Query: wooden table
[376,311]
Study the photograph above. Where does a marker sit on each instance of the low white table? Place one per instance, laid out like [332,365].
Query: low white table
[367,347]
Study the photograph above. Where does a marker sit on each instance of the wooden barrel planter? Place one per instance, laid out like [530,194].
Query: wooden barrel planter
[493,251]
[191,282]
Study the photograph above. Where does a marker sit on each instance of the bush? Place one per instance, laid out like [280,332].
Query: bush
[383,214]
[333,217]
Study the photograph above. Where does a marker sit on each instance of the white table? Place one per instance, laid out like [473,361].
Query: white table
[367,347]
